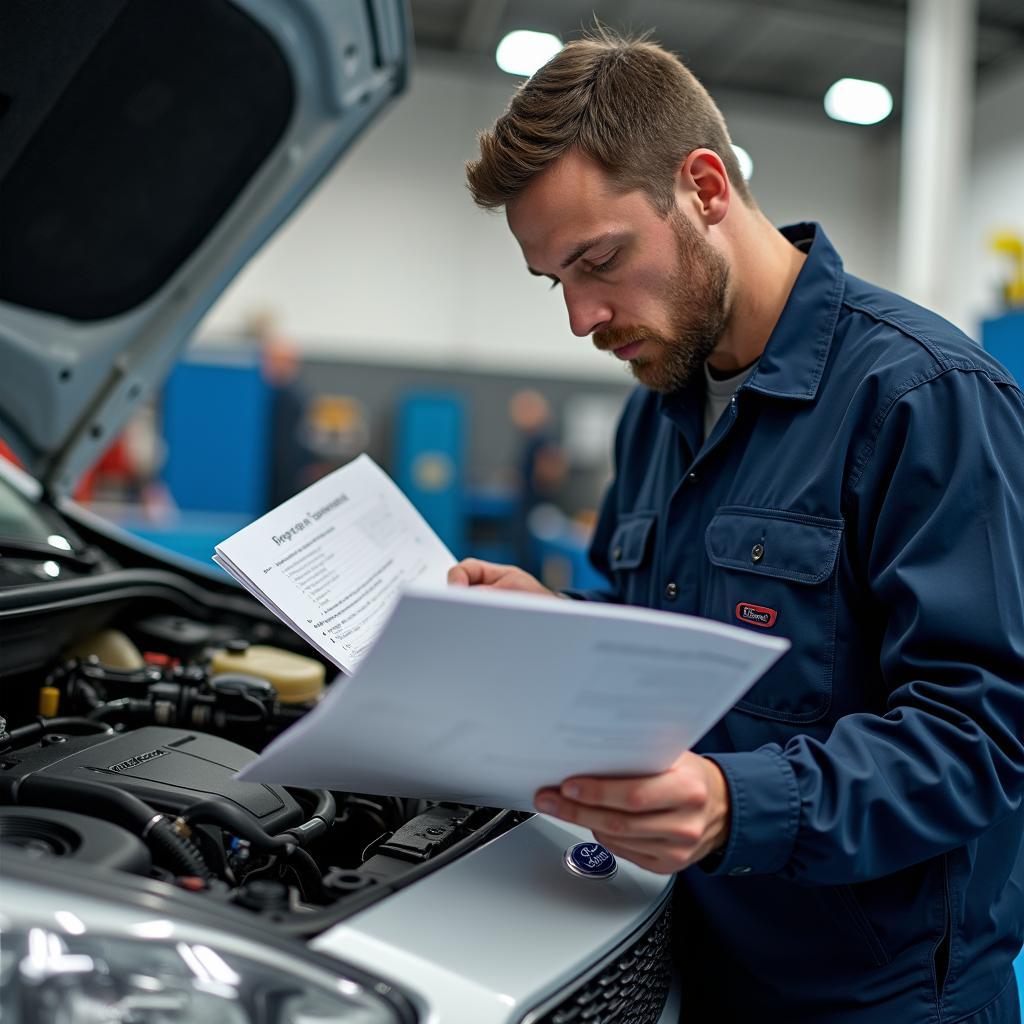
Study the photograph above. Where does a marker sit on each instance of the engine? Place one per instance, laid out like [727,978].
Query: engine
[136,774]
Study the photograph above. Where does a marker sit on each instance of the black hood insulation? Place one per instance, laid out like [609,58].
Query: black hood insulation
[127,129]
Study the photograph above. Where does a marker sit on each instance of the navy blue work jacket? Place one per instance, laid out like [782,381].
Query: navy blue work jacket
[863,496]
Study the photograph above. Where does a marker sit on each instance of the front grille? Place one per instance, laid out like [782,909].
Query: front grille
[629,988]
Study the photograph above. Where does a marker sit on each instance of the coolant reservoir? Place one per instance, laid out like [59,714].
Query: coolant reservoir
[111,647]
[297,679]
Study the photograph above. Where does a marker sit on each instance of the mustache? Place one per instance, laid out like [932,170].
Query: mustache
[607,341]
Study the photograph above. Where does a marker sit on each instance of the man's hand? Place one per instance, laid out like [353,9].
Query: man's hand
[662,822]
[471,572]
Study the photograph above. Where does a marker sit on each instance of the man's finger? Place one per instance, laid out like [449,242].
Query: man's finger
[675,828]
[457,576]
[661,859]
[681,786]
[475,573]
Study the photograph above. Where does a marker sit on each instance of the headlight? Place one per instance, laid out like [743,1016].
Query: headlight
[90,962]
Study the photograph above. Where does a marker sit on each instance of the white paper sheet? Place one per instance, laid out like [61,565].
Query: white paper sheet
[332,560]
[484,696]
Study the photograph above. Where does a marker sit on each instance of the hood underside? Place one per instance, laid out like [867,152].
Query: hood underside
[147,149]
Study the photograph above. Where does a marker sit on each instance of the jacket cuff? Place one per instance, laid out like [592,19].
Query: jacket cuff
[764,804]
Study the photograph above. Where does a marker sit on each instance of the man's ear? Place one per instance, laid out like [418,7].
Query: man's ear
[703,182]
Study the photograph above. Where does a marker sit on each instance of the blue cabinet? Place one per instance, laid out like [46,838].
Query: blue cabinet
[1003,337]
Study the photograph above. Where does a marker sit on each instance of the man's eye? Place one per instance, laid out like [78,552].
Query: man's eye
[600,268]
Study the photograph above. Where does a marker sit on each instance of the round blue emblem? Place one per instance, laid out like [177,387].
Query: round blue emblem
[590,860]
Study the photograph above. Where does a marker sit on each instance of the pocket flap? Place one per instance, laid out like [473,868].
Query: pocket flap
[629,542]
[774,543]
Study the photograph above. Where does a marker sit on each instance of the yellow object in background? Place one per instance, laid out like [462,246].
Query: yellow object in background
[1013,246]
[297,679]
[49,701]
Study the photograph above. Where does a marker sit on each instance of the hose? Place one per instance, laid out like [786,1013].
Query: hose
[118,806]
[180,853]
[320,821]
[230,818]
[44,725]
[306,868]
[214,811]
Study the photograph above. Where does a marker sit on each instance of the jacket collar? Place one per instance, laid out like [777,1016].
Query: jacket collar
[794,358]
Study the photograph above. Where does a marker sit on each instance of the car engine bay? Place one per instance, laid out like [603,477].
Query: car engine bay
[123,721]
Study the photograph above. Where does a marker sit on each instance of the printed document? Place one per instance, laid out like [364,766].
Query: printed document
[332,560]
[484,696]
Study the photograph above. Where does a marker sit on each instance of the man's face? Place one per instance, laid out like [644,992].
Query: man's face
[648,288]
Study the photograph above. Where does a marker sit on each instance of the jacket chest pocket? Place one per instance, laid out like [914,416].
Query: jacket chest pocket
[630,555]
[775,571]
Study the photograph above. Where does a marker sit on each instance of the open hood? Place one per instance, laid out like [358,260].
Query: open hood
[147,149]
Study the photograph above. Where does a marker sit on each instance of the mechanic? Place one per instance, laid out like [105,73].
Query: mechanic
[810,456]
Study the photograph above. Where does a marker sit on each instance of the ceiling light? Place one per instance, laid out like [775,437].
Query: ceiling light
[522,52]
[745,160]
[858,101]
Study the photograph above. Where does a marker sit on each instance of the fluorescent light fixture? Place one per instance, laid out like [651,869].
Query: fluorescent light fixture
[152,929]
[858,102]
[69,922]
[522,52]
[746,162]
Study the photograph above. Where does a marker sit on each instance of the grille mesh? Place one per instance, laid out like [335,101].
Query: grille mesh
[630,989]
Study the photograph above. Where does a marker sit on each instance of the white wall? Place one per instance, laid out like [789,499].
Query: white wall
[808,167]
[390,260]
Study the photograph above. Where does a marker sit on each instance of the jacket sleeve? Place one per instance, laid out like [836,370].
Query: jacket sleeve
[935,504]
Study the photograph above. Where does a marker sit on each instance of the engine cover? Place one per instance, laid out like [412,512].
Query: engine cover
[171,769]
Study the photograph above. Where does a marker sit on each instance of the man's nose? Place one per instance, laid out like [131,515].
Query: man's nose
[587,313]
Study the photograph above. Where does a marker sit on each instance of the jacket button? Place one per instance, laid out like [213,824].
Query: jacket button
[693,478]
[617,554]
[744,870]
[757,553]
[671,591]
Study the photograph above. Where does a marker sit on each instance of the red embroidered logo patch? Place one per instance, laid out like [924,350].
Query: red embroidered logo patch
[756,614]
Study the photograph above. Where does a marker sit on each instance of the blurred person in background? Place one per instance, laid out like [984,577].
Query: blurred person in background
[280,366]
[541,470]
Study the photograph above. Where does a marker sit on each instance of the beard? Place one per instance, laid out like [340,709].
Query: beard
[697,300]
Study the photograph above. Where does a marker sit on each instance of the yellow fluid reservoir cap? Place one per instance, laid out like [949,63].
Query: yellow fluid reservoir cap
[297,679]
[49,701]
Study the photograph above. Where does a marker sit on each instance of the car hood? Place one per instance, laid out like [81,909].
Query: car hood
[147,150]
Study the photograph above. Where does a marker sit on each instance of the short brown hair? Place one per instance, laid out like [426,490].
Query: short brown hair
[626,103]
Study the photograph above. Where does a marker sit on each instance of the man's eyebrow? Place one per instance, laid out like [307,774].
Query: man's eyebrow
[582,248]
[574,255]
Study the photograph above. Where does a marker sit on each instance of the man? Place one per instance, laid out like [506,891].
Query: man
[812,456]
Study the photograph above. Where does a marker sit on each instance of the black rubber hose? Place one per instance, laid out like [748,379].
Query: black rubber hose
[230,818]
[44,725]
[96,798]
[309,874]
[179,853]
[325,809]
[118,806]
[321,820]
[214,811]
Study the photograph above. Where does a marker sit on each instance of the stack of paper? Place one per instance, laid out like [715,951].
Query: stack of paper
[469,694]
[332,560]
